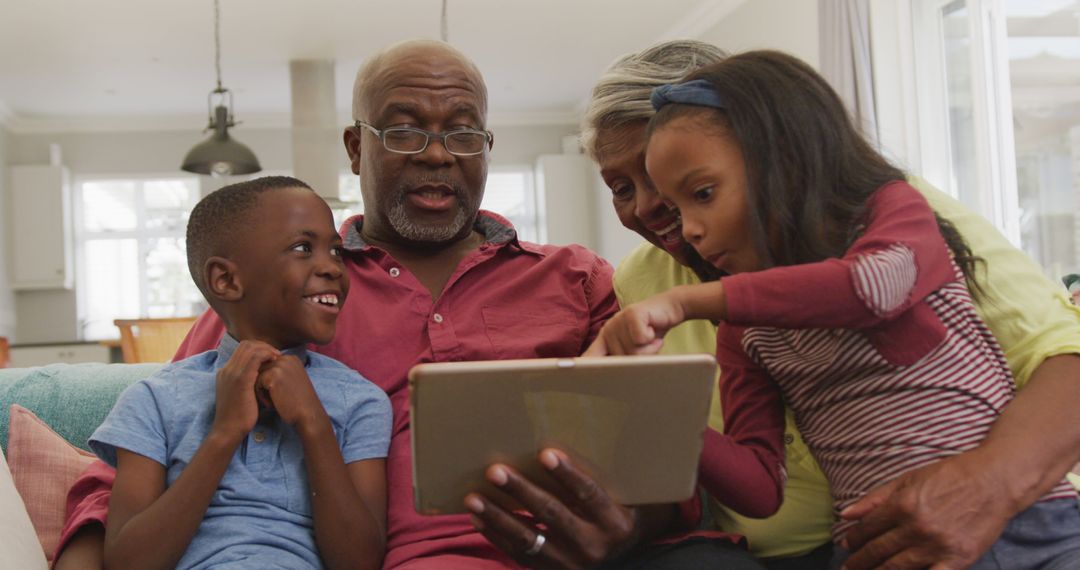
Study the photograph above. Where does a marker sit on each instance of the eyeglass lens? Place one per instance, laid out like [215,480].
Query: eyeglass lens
[407,140]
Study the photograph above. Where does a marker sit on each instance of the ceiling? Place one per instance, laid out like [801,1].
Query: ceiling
[121,64]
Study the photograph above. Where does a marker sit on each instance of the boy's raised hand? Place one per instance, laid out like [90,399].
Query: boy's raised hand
[639,328]
[287,384]
[236,409]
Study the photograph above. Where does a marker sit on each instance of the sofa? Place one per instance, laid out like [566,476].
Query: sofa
[46,415]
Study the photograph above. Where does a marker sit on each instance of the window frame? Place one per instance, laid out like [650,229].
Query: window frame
[141,235]
[533,198]
[996,194]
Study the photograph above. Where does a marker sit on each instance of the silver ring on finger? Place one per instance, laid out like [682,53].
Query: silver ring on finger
[537,544]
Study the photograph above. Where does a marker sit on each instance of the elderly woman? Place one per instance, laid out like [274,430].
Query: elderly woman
[947,513]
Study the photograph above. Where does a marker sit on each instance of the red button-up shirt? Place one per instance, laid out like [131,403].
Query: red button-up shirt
[507,299]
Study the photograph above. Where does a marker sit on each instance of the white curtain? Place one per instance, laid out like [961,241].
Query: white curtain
[844,27]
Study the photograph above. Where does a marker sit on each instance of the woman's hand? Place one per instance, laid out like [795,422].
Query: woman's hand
[582,526]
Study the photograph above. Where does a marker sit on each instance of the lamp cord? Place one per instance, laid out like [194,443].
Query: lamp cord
[217,44]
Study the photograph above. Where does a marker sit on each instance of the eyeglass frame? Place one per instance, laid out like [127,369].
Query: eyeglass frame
[379,133]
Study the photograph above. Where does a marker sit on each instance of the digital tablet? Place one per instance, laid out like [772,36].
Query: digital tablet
[635,423]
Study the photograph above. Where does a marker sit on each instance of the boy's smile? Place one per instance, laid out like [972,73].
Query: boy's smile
[291,270]
[329,301]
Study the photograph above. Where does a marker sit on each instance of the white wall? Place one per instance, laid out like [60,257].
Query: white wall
[51,316]
[7,298]
[521,145]
[786,25]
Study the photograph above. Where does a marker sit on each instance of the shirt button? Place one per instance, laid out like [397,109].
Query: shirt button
[437,318]
[394,272]
[259,437]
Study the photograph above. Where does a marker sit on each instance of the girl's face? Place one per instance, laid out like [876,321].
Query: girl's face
[701,172]
[639,207]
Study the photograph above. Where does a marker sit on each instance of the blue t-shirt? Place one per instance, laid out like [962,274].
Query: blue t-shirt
[260,515]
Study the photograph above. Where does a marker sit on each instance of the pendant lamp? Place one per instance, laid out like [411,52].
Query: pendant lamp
[220,155]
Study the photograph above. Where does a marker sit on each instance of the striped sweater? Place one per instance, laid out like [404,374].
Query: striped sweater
[880,354]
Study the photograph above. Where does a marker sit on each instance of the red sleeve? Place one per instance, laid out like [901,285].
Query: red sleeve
[87,502]
[204,335]
[743,467]
[898,260]
[600,294]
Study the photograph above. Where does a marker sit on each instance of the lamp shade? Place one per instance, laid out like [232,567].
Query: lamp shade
[221,155]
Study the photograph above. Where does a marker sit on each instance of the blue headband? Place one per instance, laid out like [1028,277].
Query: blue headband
[697,92]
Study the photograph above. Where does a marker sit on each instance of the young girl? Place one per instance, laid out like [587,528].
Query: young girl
[846,296]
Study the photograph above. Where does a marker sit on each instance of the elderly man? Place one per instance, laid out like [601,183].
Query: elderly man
[434,279]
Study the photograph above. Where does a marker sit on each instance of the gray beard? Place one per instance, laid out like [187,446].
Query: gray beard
[410,230]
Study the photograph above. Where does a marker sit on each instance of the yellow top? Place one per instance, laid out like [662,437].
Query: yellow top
[1030,316]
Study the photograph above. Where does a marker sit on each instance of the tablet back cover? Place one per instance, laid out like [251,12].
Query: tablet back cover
[635,424]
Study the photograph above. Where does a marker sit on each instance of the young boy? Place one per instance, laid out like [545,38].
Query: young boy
[258,454]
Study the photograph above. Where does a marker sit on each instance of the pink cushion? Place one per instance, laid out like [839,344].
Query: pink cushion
[43,466]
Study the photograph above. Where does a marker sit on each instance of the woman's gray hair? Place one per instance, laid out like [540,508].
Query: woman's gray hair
[621,96]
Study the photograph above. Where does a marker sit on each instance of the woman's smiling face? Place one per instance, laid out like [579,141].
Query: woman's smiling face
[621,158]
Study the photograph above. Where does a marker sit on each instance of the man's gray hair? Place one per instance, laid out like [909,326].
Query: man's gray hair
[621,96]
[374,64]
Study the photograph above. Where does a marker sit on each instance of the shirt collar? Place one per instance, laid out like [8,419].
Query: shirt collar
[496,230]
[228,345]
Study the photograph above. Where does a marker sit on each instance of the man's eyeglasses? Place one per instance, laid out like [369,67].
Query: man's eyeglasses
[409,140]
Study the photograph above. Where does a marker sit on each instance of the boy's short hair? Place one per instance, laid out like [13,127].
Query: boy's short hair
[219,218]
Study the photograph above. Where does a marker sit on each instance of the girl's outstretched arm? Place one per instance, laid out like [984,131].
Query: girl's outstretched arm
[897,261]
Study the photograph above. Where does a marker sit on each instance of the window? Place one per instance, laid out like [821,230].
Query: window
[131,258]
[352,201]
[1001,83]
[510,193]
[1043,48]
[966,137]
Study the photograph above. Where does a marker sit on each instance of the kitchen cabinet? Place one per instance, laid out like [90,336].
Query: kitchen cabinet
[40,218]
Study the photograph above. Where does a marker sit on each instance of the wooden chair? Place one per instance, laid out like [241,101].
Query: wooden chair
[5,352]
[152,340]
